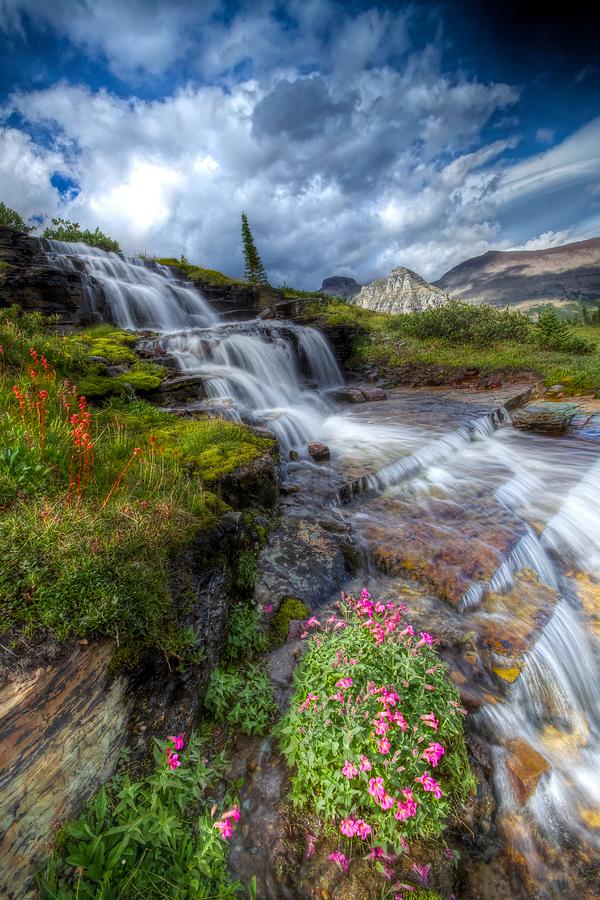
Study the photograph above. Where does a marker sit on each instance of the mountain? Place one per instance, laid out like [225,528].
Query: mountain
[403,291]
[528,277]
[340,286]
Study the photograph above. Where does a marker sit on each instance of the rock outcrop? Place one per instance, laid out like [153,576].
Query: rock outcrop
[528,277]
[545,416]
[402,292]
[340,286]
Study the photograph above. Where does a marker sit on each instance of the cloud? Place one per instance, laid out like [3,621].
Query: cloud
[545,135]
[547,239]
[301,110]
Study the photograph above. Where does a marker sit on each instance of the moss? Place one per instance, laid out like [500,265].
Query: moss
[425,895]
[291,608]
[112,343]
[198,273]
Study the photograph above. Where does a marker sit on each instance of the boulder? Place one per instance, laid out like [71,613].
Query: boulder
[545,416]
[526,766]
[373,393]
[115,371]
[320,452]
[348,395]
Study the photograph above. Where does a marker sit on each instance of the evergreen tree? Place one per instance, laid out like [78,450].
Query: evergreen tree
[255,271]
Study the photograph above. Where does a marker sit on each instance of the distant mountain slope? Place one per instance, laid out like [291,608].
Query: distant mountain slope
[528,277]
[402,292]
[340,286]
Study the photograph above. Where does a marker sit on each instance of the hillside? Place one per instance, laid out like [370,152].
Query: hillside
[526,278]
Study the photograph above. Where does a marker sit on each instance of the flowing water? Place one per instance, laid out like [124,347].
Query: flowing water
[498,528]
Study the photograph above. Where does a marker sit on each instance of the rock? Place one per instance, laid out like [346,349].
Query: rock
[556,390]
[289,488]
[545,416]
[115,371]
[101,360]
[340,286]
[402,292]
[348,395]
[320,452]
[526,766]
[373,393]
[293,455]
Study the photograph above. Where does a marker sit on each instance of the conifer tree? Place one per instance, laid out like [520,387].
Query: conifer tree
[255,271]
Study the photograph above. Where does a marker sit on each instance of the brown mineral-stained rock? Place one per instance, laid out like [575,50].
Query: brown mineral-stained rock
[373,393]
[526,766]
[319,451]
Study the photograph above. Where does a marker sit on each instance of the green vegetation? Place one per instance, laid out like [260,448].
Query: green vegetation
[247,637]
[157,837]
[255,271]
[291,608]
[10,218]
[374,732]
[65,230]
[242,697]
[480,337]
[198,273]
[95,503]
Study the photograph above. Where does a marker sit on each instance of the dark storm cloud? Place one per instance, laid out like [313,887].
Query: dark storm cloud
[301,110]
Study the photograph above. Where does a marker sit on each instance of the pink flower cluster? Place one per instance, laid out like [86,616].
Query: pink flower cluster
[355,827]
[310,698]
[173,760]
[433,754]
[340,859]
[430,784]
[224,825]
[407,807]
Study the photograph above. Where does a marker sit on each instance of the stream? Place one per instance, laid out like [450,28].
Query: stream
[490,535]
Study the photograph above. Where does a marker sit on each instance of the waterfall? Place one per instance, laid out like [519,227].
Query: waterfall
[255,365]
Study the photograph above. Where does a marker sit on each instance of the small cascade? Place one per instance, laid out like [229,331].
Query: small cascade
[574,532]
[138,296]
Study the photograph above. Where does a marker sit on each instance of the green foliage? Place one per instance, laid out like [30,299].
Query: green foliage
[244,699]
[151,838]
[555,334]
[245,575]
[10,218]
[255,271]
[65,230]
[198,273]
[291,608]
[246,638]
[331,722]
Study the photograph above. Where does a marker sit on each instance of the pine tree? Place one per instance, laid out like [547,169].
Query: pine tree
[255,271]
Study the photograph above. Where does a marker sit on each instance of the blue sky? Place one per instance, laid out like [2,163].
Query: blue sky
[357,136]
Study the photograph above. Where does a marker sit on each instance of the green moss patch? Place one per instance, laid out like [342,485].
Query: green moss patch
[199,273]
[291,609]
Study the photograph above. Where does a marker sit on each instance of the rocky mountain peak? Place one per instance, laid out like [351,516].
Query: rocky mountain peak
[340,286]
[403,291]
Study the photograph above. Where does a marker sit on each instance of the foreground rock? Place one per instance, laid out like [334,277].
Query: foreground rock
[545,417]
[402,292]
[320,452]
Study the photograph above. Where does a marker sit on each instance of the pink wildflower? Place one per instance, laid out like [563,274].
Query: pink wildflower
[344,683]
[383,745]
[433,754]
[339,697]
[422,872]
[233,813]
[407,807]
[172,760]
[312,622]
[363,829]
[398,719]
[430,784]
[376,789]
[268,608]
[311,841]
[365,764]
[178,741]
[381,728]
[349,770]
[310,697]
[430,720]
[348,827]
[340,859]
[225,827]
[386,802]
[426,637]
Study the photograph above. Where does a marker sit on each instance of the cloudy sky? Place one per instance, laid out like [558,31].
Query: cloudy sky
[357,136]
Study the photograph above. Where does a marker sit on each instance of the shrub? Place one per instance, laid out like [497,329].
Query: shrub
[555,334]
[246,638]
[10,218]
[374,731]
[151,838]
[65,230]
[242,698]
[459,323]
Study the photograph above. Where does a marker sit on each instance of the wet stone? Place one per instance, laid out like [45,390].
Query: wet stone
[545,416]
[319,451]
[526,766]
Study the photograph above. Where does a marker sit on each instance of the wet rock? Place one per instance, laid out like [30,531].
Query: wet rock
[114,371]
[545,416]
[348,395]
[253,484]
[526,766]
[179,389]
[289,488]
[374,393]
[556,390]
[293,455]
[100,360]
[319,451]
[301,560]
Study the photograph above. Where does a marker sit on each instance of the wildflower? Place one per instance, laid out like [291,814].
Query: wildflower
[376,789]
[386,802]
[383,745]
[407,807]
[311,841]
[310,697]
[340,859]
[233,813]
[225,827]
[178,741]
[348,827]
[381,728]
[349,770]
[422,872]
[430,720]
[430,784]
[363,829]
[433,754]
[268,608]
[173,760]
[365,764]
[426,637]
[398,719]
[312,622]
[344,683]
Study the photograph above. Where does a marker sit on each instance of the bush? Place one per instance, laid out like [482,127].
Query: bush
[555,334]
[64,230]
[460,323]
[246,638]
[10,218]
[242,698]
[374,731]
[151,838]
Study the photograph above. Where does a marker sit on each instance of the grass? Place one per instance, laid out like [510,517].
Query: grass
[398,341]
[95,503]
[199,273]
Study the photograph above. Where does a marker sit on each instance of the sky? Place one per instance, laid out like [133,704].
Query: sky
[356,136]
